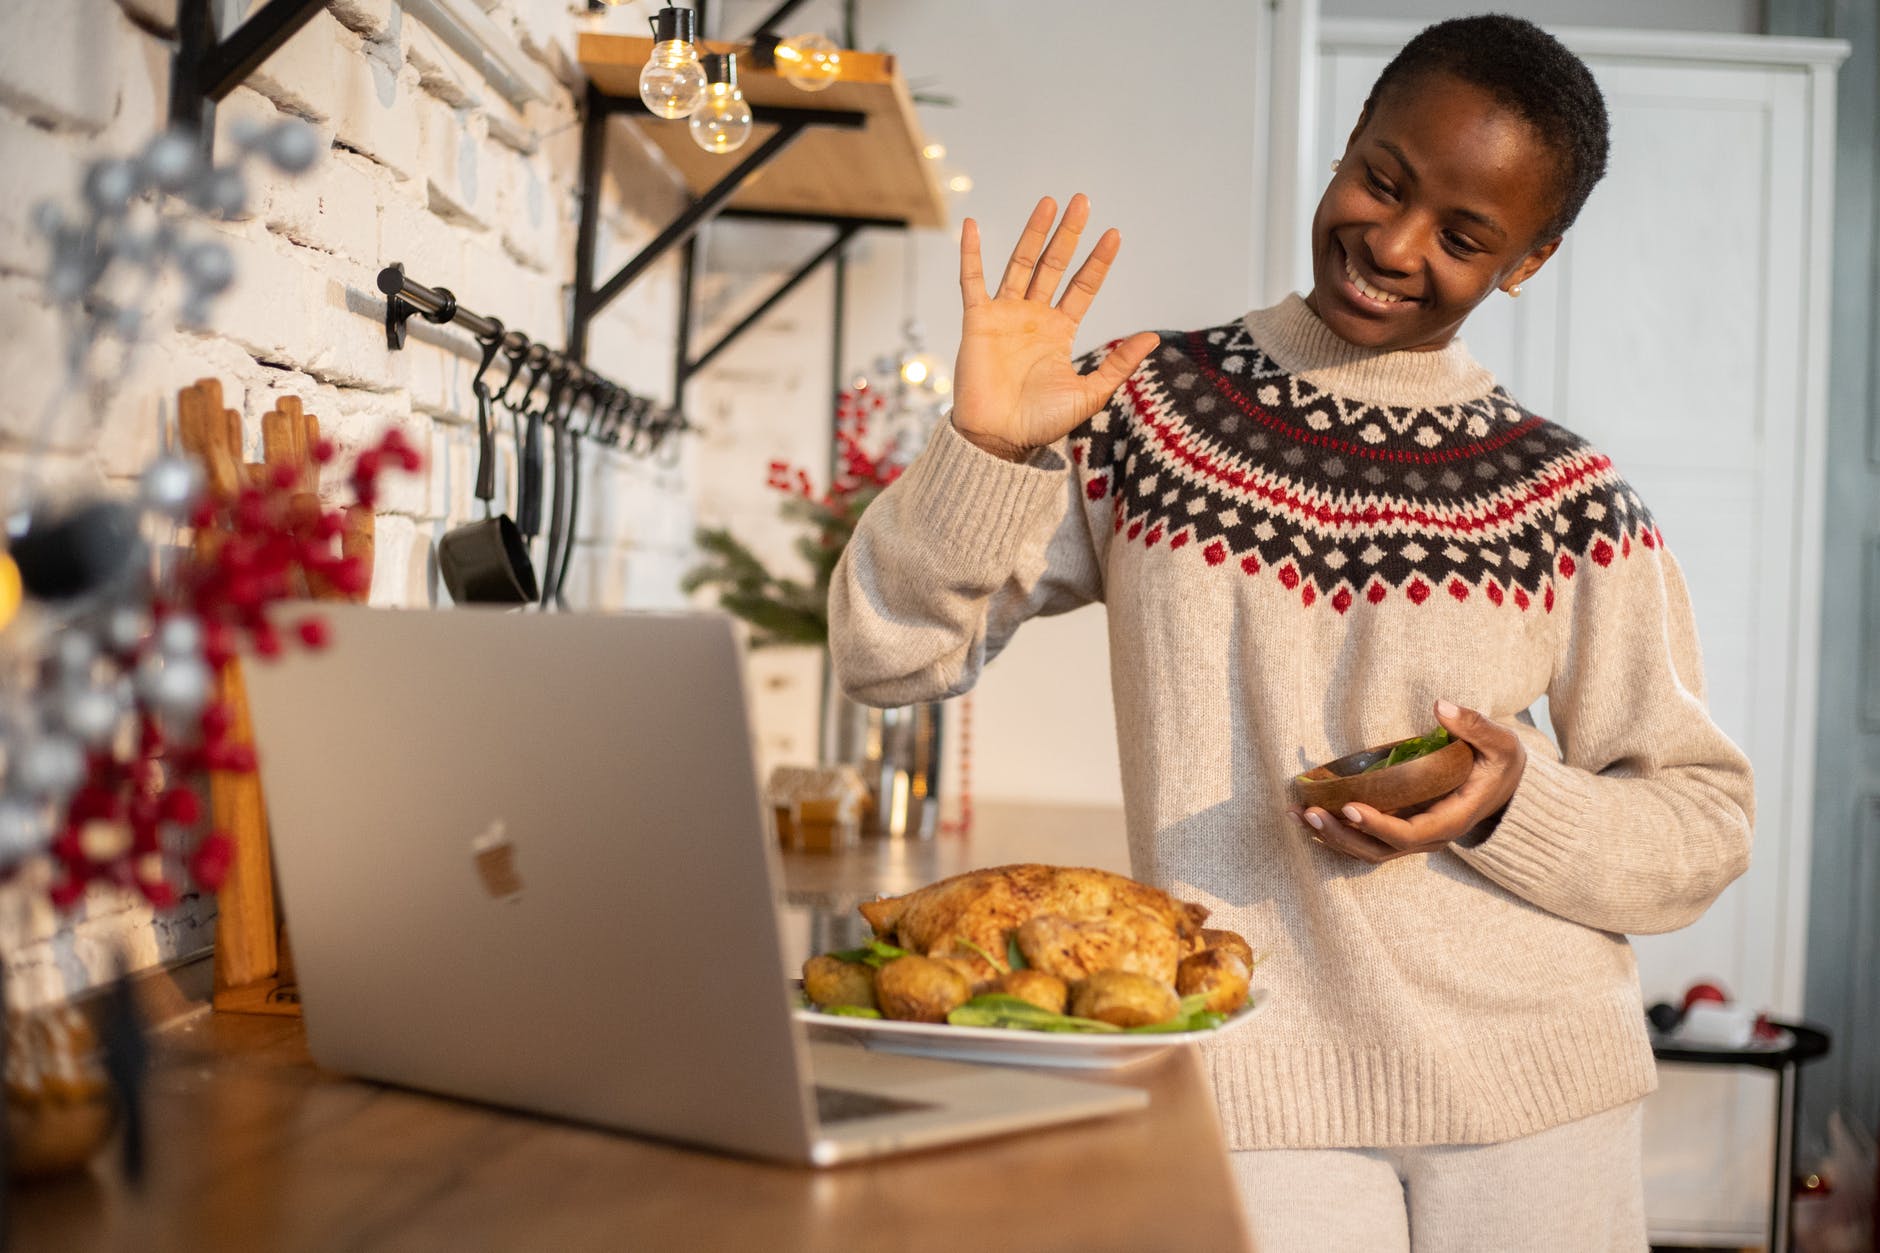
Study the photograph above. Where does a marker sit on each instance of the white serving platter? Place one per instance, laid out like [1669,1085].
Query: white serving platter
[1006,1046]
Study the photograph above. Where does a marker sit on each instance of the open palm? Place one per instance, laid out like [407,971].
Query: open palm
[1015,387]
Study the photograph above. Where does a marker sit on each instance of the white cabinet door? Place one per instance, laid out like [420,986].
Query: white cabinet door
[1673,330]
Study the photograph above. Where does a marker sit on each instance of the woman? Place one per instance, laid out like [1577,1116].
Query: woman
[1319,527]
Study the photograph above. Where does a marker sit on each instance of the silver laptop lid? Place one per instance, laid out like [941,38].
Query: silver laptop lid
[523,861]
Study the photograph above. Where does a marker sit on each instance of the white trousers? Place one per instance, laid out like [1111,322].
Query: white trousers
[1576,1188]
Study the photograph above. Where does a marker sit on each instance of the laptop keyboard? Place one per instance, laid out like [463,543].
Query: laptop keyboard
[834,1105]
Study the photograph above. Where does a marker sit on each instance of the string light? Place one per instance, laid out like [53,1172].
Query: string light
[808,62]
[672,82]
[723,122]
[934,152]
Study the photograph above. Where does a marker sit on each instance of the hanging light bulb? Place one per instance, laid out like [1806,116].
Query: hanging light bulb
[917,366]
[809,62]
[917,369]
[672,83]
[723,122]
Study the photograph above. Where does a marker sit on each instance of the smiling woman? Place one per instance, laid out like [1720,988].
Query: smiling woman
[1313,527]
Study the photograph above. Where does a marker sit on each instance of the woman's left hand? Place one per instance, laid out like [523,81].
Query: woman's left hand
[1362,832]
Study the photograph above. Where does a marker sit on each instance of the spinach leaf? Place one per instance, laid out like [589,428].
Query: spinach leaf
[875,953]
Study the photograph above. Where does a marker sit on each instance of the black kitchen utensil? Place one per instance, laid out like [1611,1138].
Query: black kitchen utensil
[560,413]
[487,561]
[599,399]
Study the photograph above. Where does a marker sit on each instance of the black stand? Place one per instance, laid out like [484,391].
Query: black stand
[1810,1043]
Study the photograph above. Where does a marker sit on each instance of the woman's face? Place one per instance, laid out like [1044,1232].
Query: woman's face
[1440,198]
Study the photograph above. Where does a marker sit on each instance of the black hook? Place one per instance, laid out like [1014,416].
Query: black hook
[536,358]
[516,357]
[491,344]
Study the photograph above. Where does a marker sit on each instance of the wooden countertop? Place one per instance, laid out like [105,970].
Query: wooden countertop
[254,1149]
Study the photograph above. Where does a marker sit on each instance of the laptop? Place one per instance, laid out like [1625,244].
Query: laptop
[525,863]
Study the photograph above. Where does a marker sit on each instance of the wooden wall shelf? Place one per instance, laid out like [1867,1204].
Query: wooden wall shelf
[876,171]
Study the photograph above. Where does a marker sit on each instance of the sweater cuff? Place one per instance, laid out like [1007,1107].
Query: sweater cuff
[1537,841]
[975,505]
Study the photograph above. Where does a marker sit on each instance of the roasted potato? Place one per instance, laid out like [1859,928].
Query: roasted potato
[829,980]
[920,989]
[974,969]
[1046,991]
[1217,972]
[1124,998]
[1232,941]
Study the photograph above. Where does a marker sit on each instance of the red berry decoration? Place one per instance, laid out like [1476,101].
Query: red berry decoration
[181,806]
[268,542]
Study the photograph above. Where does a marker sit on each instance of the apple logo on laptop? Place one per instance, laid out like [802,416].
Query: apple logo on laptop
[495,859]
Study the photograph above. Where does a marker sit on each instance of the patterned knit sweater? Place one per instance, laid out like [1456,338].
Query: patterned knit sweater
[1301,546]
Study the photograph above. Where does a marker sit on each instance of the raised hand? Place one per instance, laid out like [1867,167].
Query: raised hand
[1014,385]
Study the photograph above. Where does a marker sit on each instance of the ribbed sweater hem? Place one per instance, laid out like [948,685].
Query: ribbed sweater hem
[1500,1083]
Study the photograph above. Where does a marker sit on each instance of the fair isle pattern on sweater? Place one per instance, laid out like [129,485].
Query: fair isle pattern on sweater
[1345,501]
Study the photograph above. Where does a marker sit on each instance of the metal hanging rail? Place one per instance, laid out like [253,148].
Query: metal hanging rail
[643,425]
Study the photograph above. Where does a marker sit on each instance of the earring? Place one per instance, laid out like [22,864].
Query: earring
[1334,165]
[1515,290]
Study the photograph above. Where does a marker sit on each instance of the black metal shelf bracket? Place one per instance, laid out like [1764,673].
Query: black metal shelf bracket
[206,69]
[843,235]
[591,298]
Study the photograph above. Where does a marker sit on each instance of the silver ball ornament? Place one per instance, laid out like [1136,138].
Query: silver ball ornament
[209,266]
[68,276]
[74,653]
[124,629]
[51,766]
[292,145]
[174,687]
[171,486]
[180,636]
[91,714]
[135,248]
[222,192]
[48,218]
[109,186]
[24,831]
[172,161]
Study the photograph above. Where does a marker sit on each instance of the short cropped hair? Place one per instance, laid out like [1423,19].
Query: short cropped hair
[1532,73]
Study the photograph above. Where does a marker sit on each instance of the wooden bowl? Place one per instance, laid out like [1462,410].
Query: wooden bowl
[1338,783]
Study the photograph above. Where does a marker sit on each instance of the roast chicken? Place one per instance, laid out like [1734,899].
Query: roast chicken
[1067,922]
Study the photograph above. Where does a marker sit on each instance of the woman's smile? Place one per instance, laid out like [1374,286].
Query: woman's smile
[1365,294]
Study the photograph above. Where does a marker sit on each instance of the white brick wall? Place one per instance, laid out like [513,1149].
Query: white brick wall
[427,166]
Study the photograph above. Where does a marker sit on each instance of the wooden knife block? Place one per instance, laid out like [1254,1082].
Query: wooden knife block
[254,969]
